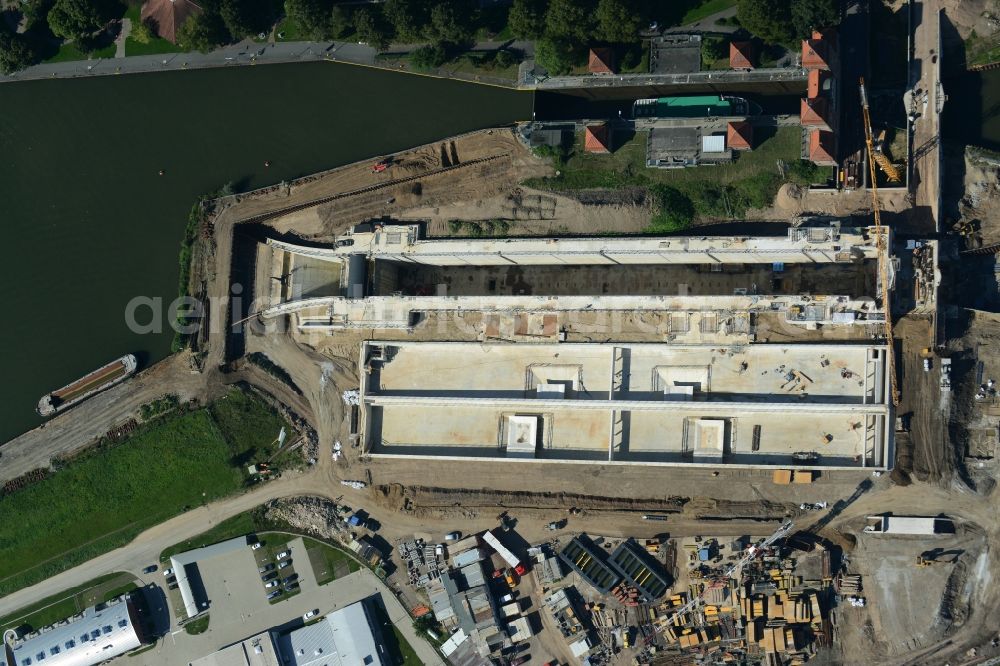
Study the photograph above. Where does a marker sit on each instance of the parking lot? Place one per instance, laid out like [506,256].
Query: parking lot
[239,607]
[281,576]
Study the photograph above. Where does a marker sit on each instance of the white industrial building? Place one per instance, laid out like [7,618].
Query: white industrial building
[94,636]
[349,636]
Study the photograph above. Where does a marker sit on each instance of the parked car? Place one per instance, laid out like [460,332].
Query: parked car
[286,563]
[271,584]
[150,569]
[283,554]
[168,572]
[256,545]
[267,567]
[291,586]
[439,550]
[452,536]
[270,576]
[345,242]
[311,614]
[507,598]
[520,660]
[289,579]
[273,594]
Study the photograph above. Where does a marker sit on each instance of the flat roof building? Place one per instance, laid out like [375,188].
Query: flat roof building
[758,405]
[257,650]
[97,634]
[189,583]
[350,636]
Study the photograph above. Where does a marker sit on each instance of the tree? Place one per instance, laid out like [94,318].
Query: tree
[768,19]
[15,52]
[571,20]
[810,14]
[203,32]
[618,21]
[429,56]
[453,21]
[78,19]
[555,55]
[408,17]
[141,32]
[674,209]
[311,16]
[340,22]
[527,18]
[237,17]
[372,27]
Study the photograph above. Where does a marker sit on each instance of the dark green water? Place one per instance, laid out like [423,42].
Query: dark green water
[972,112]
[87,223]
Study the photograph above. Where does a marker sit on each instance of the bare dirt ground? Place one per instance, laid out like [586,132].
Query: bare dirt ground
[981,204]
[793,200]
[535,212]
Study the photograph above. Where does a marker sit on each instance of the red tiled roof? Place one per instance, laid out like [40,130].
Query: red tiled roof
[816,78]
[165,17]
[602,60]
[821,150]
[741,55]
[815,113]
[597,138]
[816,51]
[739,135]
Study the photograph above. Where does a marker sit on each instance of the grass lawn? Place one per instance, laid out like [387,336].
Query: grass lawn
[717,191]
[406,651]
[329,563]
[68,51]
[103,499]
[706,8]
[72,601]
[982,50]
[243,417]
[289,31]
[198,626]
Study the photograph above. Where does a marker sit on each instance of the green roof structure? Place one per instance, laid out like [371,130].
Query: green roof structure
[691,106]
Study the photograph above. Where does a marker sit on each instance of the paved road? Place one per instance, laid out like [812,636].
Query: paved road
[246,52]
[924,77]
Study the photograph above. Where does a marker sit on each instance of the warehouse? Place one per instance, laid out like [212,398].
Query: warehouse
[639,570]
[757,405]
[583,557]
[93,636]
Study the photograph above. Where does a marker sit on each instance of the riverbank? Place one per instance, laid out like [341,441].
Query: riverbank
[250,53]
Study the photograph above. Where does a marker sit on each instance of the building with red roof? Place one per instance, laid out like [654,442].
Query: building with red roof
[816,113]
[597,138]
[741,55]
[818,83]
[739,135]
[602,60]
[822,149]
[818,51]
[165,17]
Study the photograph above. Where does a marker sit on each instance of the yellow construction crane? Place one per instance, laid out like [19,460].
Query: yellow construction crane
[881,244]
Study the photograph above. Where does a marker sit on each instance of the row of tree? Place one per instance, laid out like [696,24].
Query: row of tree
[784,21]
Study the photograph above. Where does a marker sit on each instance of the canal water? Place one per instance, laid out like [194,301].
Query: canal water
[88,223]
[972,112]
